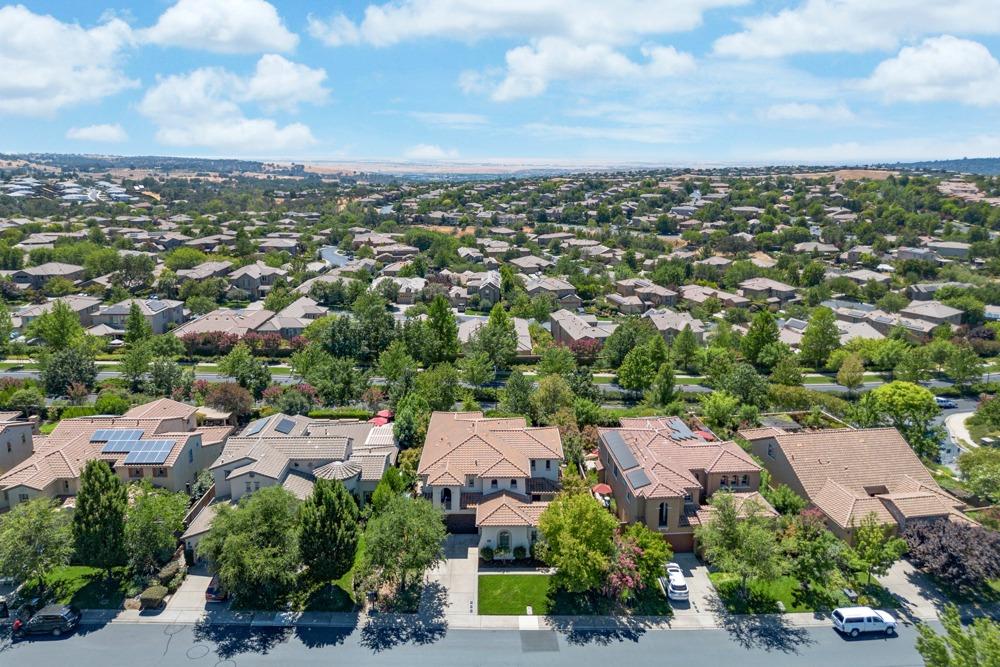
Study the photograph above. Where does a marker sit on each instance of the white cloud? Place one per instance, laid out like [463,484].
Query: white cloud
[856,26]
[46,65]
[795,111]
[530,69]
[224,26]
[204,107]
[468,20]
[429,152]
[103,133]
[942,68]
[451,120]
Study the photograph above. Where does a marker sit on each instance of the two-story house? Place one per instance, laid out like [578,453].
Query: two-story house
[491,476]
[162,314]
[662,474]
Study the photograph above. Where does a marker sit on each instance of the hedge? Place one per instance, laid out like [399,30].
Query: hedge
[340,413]
[152,597]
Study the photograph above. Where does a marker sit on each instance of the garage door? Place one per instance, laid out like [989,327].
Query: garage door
[681,542]
[461,523]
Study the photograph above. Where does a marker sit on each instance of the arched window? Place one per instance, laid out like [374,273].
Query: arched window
[446,498]
[503,540]
[664,511]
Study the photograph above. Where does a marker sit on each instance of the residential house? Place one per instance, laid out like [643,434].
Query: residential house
[670,323]
[35,277]
[699,294]
[468,328]
[849,474]
[934,312]
[204,271]
[530,264]
[226,320]
[649,293]
[569,328]
[84,306]
[662,474]
[256,279]
[767,289]
[161,314]
[559,288]
[491,476]
[16,442]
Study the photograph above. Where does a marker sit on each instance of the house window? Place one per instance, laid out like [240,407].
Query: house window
[548,465]
[745,480]
[159,472]
[534,535]
[664,515]
[22,497]
[513,483]
[614,471]
[9,448]
[494,484]
[135,473]
[249,487]
[770,449]
[688,499]
[24,439]
[256,486]
[470,481]
[724,481]
[65,485]
[446,498]
[503,541]
[191,455]
[532,464]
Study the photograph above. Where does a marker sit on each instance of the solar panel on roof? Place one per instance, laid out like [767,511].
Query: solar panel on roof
[155,305]
[638,478]
[285,426]
[256,427]
[619,449]
[149,452]
[116,434]
[118,446]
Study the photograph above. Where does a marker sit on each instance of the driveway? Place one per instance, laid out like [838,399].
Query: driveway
[701,592]
[958,431]
[458,573]
[919,598]
[191,595]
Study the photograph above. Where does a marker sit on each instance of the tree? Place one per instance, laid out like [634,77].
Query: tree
[685,347]
[631,333]
[250,373]
[255,546]
[137,328]
[58,328]
[964,366]
[814,553]
[412,417]
[663,386]
[229,397]
[763,331]
[389,487]
[134,366]
[329,530]
[719,410]
[556,360]
[441,343]
[497,338]
[973,645]
[820,338]
[907,407]
[980,468]
[739,540]
[784,500]
[654,551]
[28,400]
[376,327]
[439,386]
[915,367]
[6,329]
[165,375]
[963,556]
[637,370]
[35,536]
[578,535]
[402,542]
[516,396]
[99,518]
[787,372]
[110,402]
[395,362]
[477,369]
[552,395]
[875,547]
[155,518]
[852,373]
[67,366]
[339,382]
[746,384]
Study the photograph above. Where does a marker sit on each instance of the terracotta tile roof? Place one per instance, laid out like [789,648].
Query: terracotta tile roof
[163,408]
[743,505]
[508,509]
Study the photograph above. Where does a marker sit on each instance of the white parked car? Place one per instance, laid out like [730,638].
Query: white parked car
[855,620]
[673,568]
[674,586]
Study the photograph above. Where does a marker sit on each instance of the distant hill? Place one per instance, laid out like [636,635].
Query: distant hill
[987,166]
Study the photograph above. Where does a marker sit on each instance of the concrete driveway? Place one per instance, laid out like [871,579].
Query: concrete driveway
[458,573]
[191,595]
[701,593]
[919,598]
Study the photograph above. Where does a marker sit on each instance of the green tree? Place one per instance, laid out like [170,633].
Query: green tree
[875,547]
[249,372]
[637,370]
[980,468]
[137,328]
[974,645]
[165,375]
[339,382]
[556,360]
[631,333]
[719,410]
[552,395]
[376,327]
[784,500]
[820,338]
[851,375]
[740,541]
[412,417]
[99,517]
[329,530]
[909,408]
[915,367]
[663,386]
[685,347]
[134,366]
[58,328]
[255,546]
[516,396]
[746,384]
[402,543]
[497,338]
[814,553]
[477,369]
[155,517]
[578,535]
[654,551]
[67,366]
[6,329]
[763,331]
[964,366]
[787,372]
[389,487]
[35,536]
[441,343]
[439,386]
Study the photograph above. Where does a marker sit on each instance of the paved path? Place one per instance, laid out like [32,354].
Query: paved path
[959,432]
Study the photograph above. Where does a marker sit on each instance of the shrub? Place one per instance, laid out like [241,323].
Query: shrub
[152,597]
[176,582]
[486,553]
[340,413]
[169,571]
[520,553]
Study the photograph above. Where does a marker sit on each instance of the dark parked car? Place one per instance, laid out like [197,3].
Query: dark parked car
[215,592]
[55,620]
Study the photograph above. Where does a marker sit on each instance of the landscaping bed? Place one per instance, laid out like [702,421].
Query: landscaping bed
[764,597]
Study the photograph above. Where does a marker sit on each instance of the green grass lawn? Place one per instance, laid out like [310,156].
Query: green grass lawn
[512,594]
[978,431]
[87,587]
[336,596]
[764,596]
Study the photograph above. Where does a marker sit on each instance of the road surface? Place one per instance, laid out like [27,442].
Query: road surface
[415,645]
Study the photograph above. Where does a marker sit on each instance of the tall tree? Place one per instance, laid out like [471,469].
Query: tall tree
[477,369]
[685,347]
[497,338]
[851,374]
[907,407]
[875,546]
[637,370]
[402,542]
[137,328]
[35,536]
[516,395]
[663,386]
[973,645]
[99,517]
[249,372]
[329,535]
[134,365]
[763,331]
[155,518]
[578,541]
[964,366]
[58,328]
[441,343]
[820,338]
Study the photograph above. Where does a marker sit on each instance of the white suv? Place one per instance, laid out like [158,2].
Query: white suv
[674,586]
[855,620]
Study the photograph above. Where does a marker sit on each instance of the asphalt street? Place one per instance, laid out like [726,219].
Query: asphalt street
[412,644]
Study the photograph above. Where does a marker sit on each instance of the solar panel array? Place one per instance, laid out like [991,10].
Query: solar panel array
[285,426]
[116,434]
[256,427]
[680,429]
[155,305]
[152,452]
[638,478]
[619,449]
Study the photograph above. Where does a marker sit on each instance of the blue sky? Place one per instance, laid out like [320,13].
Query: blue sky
[519,81]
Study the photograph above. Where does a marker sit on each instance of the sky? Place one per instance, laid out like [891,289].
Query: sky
[669,82]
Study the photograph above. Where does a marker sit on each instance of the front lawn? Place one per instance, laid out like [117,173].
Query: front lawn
[512,594]
[764,597]
[86,587]
[334,596]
